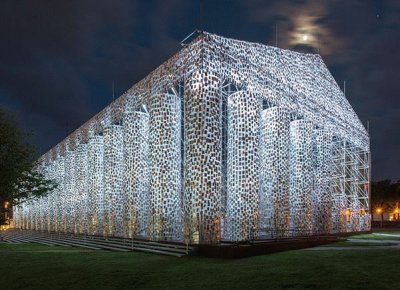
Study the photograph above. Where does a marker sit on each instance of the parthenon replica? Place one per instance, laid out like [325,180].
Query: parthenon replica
[226,140]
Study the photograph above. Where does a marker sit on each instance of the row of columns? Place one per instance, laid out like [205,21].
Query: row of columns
[280,176]
[123,182]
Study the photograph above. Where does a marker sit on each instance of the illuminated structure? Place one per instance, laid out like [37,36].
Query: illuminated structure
[226,140]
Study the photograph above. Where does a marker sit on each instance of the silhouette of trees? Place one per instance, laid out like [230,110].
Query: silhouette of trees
[385,195]
[19,178]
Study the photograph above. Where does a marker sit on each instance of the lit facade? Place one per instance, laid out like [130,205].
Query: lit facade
[227,140]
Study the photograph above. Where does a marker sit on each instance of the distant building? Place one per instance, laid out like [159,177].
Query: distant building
[225,140]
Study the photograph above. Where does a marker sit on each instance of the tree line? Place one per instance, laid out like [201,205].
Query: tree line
[385,197]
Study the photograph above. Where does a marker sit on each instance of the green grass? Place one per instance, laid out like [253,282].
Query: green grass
[44,267]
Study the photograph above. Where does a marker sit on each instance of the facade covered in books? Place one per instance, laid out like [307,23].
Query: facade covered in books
[227,140]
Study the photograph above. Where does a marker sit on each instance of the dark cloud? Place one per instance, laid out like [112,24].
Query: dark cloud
[371,66]
[58,59]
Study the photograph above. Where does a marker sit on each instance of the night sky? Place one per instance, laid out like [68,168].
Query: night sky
[59,59]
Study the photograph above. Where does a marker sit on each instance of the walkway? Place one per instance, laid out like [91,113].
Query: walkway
[386,244]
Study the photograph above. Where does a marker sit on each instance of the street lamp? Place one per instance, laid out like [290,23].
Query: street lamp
[379,211]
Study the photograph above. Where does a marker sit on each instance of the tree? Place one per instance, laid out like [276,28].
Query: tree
[385,195]
[20,178]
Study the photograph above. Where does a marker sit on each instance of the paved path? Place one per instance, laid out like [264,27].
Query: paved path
[394,245]
[394,242]
[387,235]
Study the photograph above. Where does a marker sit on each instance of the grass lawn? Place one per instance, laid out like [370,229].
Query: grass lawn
[31,266]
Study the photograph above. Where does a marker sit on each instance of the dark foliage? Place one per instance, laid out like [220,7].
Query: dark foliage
[385,195]
[19,178]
